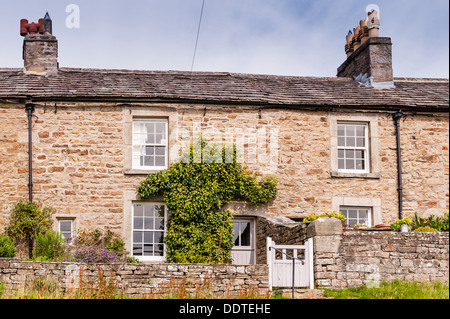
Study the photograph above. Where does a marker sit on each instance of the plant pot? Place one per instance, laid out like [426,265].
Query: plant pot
[404,228]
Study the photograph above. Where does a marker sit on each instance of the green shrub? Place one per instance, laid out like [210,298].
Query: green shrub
[312,217]
[7,248]
[28,218]
[49,246]
[195,190]
[433,221]
[424,229]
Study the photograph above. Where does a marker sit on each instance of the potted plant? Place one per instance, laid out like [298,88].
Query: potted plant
[402,224]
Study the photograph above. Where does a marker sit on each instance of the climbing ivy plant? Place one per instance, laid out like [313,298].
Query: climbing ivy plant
[195,190]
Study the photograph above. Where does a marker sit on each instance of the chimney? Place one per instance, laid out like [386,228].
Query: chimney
[369,56]
[40,47]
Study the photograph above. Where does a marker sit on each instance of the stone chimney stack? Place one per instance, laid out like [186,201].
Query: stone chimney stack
[40,47]
[369,56]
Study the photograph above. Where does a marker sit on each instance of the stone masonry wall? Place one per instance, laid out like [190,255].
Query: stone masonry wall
[354,258]
[79,155]
[137,280]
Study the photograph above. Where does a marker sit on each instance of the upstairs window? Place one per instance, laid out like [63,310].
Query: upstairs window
[353,147]
[150,144]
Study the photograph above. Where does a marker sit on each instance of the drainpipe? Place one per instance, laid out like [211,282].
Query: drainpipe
[29,107]
[397,116]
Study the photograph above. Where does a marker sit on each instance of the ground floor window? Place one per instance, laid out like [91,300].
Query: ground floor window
[66,228]
[149,228]
[357,215]
[244,243]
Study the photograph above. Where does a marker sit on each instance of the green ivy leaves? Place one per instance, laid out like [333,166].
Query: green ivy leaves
[195,191]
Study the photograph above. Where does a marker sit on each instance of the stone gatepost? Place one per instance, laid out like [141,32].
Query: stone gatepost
[327,233]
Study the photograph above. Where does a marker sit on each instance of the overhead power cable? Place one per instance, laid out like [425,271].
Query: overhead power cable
[198,33]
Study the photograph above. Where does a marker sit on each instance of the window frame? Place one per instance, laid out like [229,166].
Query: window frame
[369,213]
[365,149]
[155,120]
[149,258]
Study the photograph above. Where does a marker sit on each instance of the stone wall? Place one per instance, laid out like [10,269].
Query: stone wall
[137,280]
[353,258]
[281,230]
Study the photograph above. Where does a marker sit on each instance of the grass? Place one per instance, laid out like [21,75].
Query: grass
[394,290]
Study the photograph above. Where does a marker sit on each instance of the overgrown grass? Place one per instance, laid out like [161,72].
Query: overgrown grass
[394,290]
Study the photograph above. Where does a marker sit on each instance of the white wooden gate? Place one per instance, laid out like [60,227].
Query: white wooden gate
[281,266]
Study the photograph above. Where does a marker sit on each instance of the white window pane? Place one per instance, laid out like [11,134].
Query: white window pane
[148,161]
[149,150]
[160,161]
[159,250]
[350,164]
[149,128]
[137,250]
[341,130]
[138,223]
[341,141]
[149,210]
[148,237]
[158,237]
[359,164]
[349,154]
[159,223]
[350,141]
[360,142]
[150,138]
[138,210]
[148,223]
[341,164]
[350,130]
[137,237]
[159,210]
[160,128]
[148,250]
[360,130]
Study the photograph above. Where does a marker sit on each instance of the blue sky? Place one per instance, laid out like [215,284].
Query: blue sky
[283,37]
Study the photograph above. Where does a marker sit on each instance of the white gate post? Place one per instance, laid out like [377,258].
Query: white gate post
[311,262]
[269,253]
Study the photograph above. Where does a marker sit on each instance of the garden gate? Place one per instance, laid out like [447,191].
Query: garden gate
[290,265]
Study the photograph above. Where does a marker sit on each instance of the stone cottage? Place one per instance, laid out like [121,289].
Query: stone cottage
[365,143]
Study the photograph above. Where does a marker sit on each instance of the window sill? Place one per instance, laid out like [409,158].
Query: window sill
[356,175]
[141,171]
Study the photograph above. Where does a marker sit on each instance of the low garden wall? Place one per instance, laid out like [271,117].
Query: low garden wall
[351,258]
[342,258]
[149,280]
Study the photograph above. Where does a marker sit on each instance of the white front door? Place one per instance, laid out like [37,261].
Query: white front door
[243,252]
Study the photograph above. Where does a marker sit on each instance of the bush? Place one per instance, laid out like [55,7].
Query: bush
[436,222]
[7,248]
[92,254]
[312,217]
[50,246]
[423,229]
[28,218]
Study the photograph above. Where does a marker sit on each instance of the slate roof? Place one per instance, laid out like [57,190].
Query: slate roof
[227,88]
